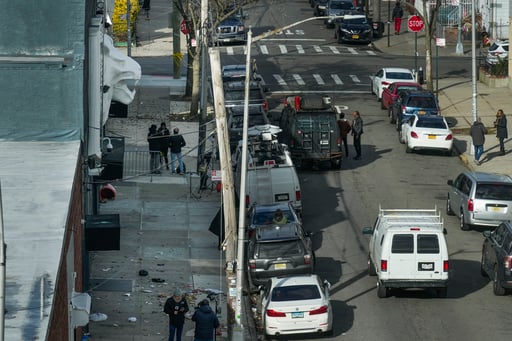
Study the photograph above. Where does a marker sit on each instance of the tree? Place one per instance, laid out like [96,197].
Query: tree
[190,10]
[429,17]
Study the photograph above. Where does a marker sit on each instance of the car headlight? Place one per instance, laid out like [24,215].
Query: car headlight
[321,7]
[241,28]
[344,30]
[367,31]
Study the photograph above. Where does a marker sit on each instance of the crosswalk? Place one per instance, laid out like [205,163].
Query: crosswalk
[283,49]
[314,79]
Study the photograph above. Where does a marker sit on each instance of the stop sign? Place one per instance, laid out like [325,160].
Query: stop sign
[415,23]
[183,27]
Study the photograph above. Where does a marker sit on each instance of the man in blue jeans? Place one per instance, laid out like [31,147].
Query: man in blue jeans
[176,141]
[176,307]
[477,133]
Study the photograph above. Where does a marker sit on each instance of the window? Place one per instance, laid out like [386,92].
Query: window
[295,293]
[428,243]
[402,243]
[279,249]
[495,191]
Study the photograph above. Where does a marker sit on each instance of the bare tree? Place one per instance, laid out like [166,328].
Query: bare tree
[190,10]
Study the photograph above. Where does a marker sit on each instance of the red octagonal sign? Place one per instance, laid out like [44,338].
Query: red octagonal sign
[415,23]
[184,27]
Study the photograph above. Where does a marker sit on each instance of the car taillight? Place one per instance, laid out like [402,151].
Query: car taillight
[385,83]
[404,109]
[384,265]
[507,262]
[252,263]
[414,135]
[446,266]
[247,201]
[297,195]
[307,259]
[251,232]
[471,207]
[449,137]
[273,313]
[338,141]
[322,310]
[265,105]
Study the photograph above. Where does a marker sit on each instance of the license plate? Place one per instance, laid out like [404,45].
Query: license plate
[496,209]
[282,197]
[355,36]
[431,137]
[422,112]
[297,314]
[280,266]
[426,266]
[324,142]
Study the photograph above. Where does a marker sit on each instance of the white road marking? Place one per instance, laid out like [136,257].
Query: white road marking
[298,79]
[352,50]
[283,49]
[279,80]
[317,48]
[337,79]
[318,79]
[300,50]
[263,49]
[334,49]
[355,79]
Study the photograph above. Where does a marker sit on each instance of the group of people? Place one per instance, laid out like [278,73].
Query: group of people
[355,129]
[205,318]
[478,131]
[160,142]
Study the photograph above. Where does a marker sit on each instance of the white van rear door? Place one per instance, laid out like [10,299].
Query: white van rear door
[402,259]
[429,257]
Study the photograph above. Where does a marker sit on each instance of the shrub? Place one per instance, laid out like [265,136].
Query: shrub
[119,19]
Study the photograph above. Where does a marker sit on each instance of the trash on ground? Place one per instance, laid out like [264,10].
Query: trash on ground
[96,317]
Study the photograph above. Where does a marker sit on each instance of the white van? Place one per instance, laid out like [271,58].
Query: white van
[408,250]
[271,176]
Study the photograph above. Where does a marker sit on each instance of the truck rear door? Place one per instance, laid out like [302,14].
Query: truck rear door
[429,259]
[401,262]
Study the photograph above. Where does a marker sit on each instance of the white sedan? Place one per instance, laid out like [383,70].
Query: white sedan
[388,75]
[426,132]
[296,305]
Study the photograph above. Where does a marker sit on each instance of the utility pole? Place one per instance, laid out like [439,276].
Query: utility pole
[129,30]
[202,116]
[2,270]
[227,178]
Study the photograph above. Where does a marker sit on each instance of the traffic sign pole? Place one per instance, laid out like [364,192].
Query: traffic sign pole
[415,24]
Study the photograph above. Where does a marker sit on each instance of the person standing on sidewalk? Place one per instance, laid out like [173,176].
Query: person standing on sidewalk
[206,322]
[477,133]
[176,307]
[501,129]
[164,134]
[397,15]
[176,141]
[154,149]
[357,131]
[344,126]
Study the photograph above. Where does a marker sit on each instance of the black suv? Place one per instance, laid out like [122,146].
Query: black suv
[235,114]
[409,103]
[234,95]
[497,258]
[353,29]
[278,250]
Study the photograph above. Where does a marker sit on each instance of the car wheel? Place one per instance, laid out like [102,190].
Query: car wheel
[401,137]
[382,105]
[496,285]
[391,116]
[408,150]
[448,152]
[398,123]
[329,332]
[449,210]
[371,267]
[463,225]
[382,291]
[483,272]
[442,292]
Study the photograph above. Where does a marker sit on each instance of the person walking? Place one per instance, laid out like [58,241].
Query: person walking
[206,322]
[397,15]
[146,6]
[501,129]
[154,149]
[164,134]
[176,307]
[176,142]
[344,126]
[357,131]
[477,133]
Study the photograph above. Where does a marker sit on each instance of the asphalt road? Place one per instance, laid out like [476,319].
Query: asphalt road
[339,203]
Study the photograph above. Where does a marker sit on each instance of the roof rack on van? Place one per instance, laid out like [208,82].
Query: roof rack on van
[411,217]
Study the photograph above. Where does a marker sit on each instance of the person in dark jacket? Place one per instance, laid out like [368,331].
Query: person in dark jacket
[501,129]
[206,322]
[176,307]
[164,134]
[176,141]
[154,149]
[357,131]
[397,15]
[477,133]
[344,126]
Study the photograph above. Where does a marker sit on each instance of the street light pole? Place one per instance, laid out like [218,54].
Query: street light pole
[458,48]
[473,59]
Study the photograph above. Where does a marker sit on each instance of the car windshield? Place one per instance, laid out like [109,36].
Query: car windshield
[398,75]
[254,120]
[431,123]
[279,249]
[494,191]
[264,218]
[233,95]
[295,293]
[356,21]
[342,5]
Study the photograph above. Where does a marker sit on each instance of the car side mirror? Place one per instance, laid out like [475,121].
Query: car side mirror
[486,233]
[450,182]
[327,284]
[368,230]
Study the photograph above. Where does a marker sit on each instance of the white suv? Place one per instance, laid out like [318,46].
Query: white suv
[498,51]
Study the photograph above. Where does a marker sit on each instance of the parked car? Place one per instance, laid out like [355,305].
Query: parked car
[498,51]
[388,75]
[278,250]
[390,94]
[353,29]
[231,30]
[234,94]
[263,214]
[411,103]
[480,198]
[235,114]
[497,258]
[426,133]
[335,8]
[296,305]
[237,72]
